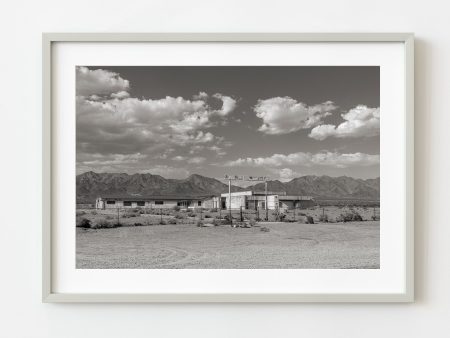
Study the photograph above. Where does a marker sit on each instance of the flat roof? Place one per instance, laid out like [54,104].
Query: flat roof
[155,197]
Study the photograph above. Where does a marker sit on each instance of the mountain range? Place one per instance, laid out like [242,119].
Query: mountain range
[90,185]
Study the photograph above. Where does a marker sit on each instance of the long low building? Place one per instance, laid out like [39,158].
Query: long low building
[249,200]
[160,202]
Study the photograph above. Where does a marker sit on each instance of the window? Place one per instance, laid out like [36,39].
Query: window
[110,202]
[127,203]
[199,203]
[140,203]
[159,202]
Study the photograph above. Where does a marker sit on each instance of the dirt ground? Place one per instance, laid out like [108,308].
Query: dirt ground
[351,245]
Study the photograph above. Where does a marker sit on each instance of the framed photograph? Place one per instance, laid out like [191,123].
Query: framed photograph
[228,167]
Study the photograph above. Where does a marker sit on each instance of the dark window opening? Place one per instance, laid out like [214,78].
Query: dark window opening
[199,203]
[159,202]
[110,202]
[127,203]
[140,203]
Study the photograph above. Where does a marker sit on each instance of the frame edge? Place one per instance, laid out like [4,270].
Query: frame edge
[48,296]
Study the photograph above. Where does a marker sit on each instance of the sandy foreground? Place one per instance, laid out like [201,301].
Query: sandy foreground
[353,245]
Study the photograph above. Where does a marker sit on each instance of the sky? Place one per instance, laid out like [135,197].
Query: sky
[281,122]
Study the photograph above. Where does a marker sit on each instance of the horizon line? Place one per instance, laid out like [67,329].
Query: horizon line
[270,180]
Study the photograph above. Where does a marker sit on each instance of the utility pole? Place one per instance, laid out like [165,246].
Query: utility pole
[229,202]
[267,206]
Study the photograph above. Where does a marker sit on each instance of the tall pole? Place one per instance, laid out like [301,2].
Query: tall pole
[267,207]
[229,202]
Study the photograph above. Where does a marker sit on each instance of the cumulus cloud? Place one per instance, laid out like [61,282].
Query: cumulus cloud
[196,160]
[360,121]
[284,115]
[228,104]
[99,82]
[201,96]
[285,174]
[332,159]
[141,124]
[110,159]
[120,95]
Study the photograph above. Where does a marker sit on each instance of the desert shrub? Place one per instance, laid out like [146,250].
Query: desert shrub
[191,214]
[323,218]
[302,214]
[357,217]
[178,216]
[258,219]
[264,229]
[93,212]
[138,224]
[208,216]
[80,213]
[374,218]
[109,217]
[282,217]
[104,224]
[131,213]
[162,222]
[217,222]
[351,216]
[83,223]
[252,222]
[199,223]
[309,220]
[176,208]
[172,221]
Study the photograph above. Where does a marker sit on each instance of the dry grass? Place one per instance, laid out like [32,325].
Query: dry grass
[285,245]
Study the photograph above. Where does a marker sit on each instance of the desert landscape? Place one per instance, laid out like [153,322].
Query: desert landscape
[326,237]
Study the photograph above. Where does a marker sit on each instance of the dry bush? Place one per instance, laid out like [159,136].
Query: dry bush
[172,221]
[208,216]
[138,224]
[323,218]
[179,216]
[199,223]
[83,222]
[351,216]
[309,220]
[162,222]
[264,229]
[80,213]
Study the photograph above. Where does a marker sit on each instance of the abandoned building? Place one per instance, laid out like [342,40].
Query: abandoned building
[257,200]
[242,199]
[160,202]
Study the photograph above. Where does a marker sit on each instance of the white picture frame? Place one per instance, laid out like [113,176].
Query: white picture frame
[48,292]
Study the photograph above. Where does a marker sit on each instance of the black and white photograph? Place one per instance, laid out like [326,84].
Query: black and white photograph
[228,167]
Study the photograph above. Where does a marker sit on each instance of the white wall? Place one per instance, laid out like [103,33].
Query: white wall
[23,315]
